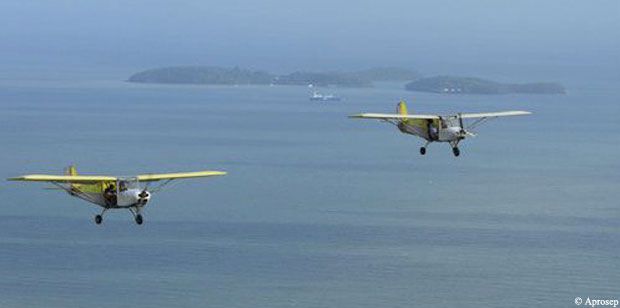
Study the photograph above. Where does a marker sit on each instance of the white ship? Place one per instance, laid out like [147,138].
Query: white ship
[316,96]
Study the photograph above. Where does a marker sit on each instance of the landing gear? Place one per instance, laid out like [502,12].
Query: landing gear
[139,219]
[423,149]
[136,214]
[99,218]
[455,147]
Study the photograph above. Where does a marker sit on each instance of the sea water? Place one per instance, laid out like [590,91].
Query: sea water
[317,210]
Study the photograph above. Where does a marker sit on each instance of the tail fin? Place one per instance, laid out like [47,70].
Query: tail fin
[70,170]
[401,108]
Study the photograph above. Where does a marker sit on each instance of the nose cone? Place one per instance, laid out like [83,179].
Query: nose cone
[144,197]
[456,132]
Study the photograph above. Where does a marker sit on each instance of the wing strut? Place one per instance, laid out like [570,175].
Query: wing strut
[479,121]
[74,191]
[161,186]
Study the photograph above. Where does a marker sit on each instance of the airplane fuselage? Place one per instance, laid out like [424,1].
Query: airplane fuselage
[101,195]
[431,132]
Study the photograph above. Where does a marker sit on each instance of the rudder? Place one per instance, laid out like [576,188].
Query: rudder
[401,108]
[71,170]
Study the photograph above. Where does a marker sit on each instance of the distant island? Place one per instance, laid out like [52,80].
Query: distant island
[212,75]
[470,85]
[322,80]
[387,74]
[237,76]
[202,75]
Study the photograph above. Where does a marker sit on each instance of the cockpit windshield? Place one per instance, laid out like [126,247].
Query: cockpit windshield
[128,183]
[448,122]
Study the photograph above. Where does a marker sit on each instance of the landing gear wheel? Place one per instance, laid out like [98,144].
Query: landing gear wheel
[456,151]
[139,219]
[422,150]
[98,219]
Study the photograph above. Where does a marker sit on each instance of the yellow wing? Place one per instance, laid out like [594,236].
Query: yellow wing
[88,179]
[84,179]
[386,116]
[179,175]
[494,114]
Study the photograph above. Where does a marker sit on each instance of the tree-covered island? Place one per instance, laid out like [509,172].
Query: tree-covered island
[471,85]
[237,76]
[211,75]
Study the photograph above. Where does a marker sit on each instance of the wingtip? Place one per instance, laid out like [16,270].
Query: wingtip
[216,172]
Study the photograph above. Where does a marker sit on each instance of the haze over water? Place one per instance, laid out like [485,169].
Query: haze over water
[317,210]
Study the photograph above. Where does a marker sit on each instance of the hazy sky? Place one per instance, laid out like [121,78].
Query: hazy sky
[283,35]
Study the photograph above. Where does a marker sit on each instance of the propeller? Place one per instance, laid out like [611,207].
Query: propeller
[144,194]
[463,131]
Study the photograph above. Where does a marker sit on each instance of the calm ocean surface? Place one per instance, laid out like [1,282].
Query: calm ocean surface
[317,210]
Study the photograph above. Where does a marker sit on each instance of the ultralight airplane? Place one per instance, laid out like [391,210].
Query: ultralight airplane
[436,128]
[111,192]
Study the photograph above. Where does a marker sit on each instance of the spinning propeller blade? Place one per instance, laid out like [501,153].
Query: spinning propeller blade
[463,131]
[144,194]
